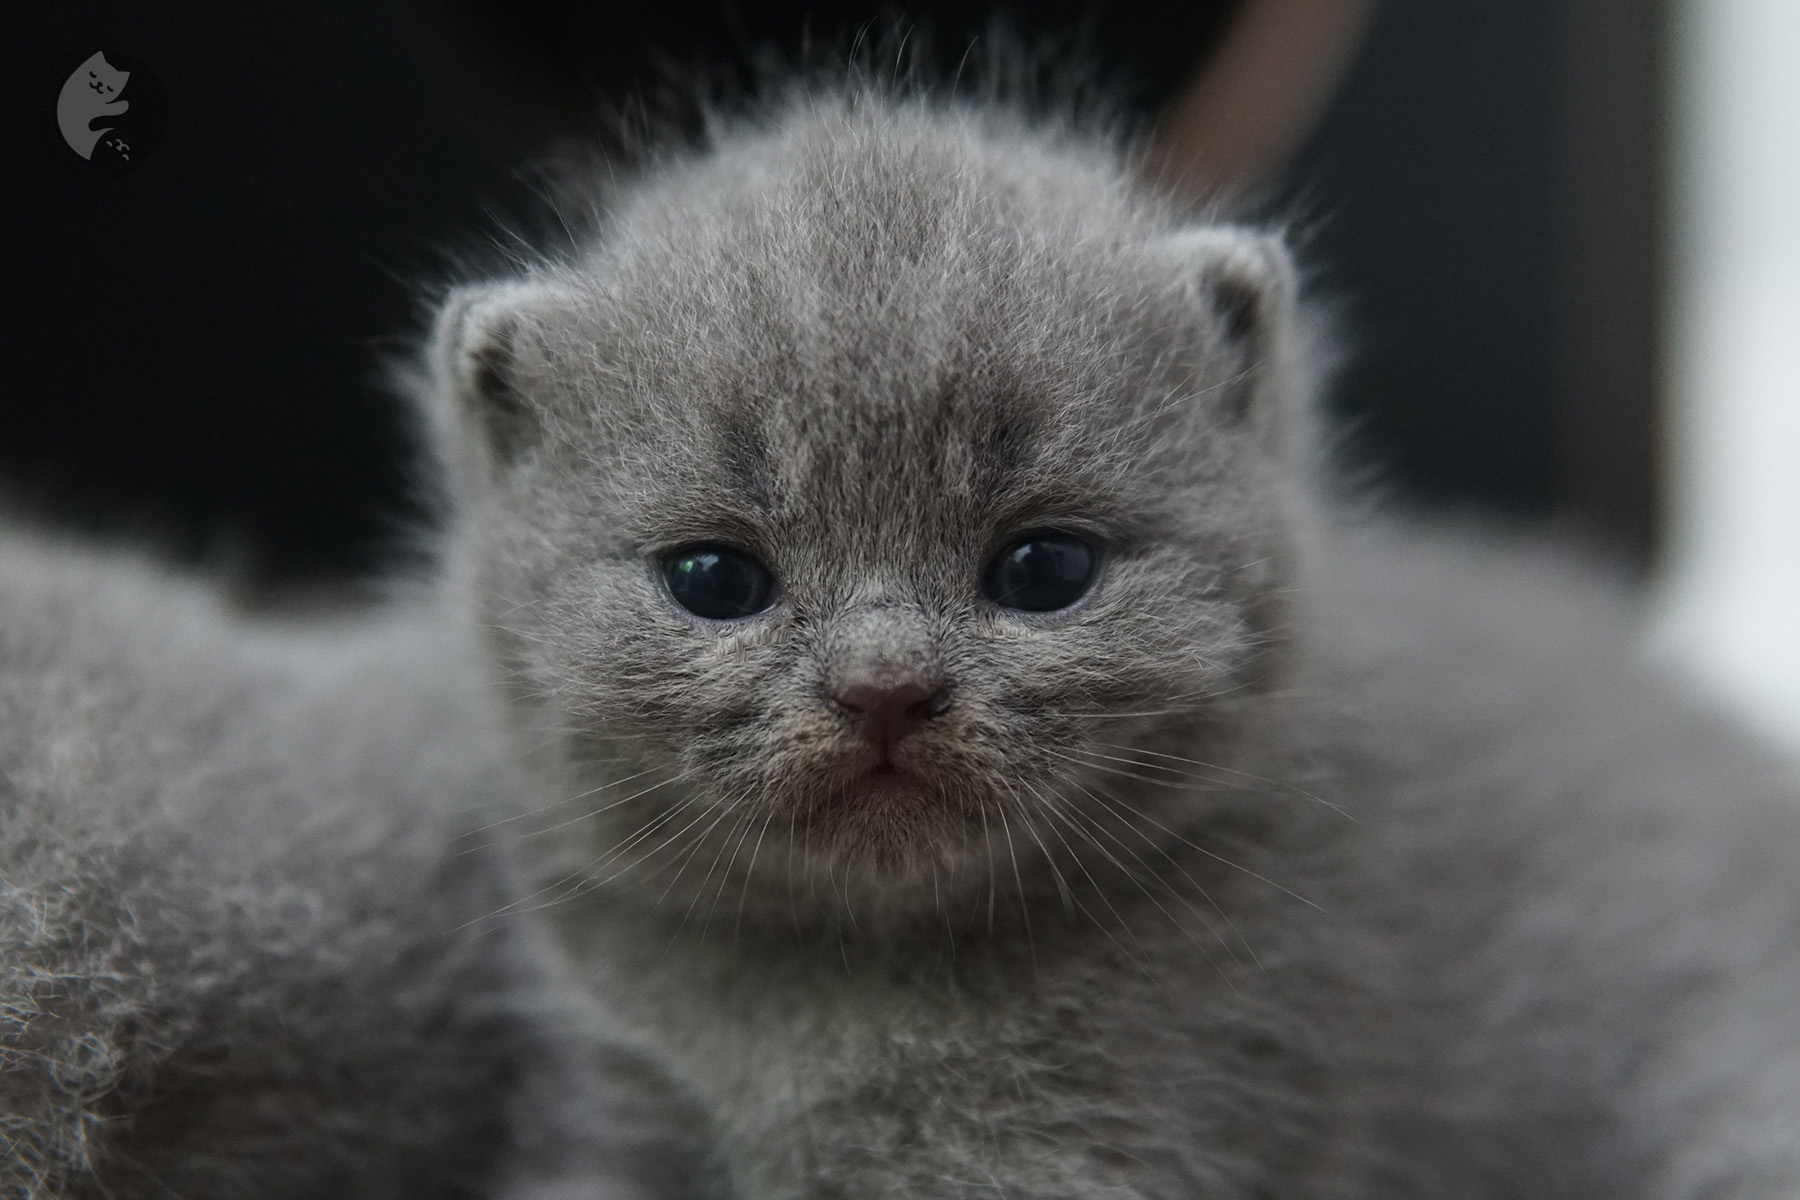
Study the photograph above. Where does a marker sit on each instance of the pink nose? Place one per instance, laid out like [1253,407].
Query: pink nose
[888,713]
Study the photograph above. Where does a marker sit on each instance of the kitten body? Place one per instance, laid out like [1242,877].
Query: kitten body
[246,945]
[1291,859]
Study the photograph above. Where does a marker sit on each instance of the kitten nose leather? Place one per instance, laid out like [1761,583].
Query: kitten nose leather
[888,712]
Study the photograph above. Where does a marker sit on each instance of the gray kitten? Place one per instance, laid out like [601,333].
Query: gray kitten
[244,951]
[971,755]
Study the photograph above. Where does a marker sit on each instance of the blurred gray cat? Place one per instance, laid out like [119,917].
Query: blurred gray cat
[242,948]
[972,755]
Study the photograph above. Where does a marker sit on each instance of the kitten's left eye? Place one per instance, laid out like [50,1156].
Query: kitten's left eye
[718,582]
[1043,571]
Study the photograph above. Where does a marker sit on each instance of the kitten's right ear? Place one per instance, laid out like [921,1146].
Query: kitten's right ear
[476,346]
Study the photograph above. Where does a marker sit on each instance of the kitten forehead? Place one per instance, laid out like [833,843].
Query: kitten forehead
[878,259]
[884,304]
[889,326]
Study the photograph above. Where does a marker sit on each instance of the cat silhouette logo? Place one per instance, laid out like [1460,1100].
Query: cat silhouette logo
[111,111]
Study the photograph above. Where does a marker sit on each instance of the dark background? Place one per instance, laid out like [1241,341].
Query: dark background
[193,352]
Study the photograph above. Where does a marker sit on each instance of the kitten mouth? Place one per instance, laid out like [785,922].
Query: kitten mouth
[879,779]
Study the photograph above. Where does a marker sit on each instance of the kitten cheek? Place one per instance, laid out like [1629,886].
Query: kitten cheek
[740,644]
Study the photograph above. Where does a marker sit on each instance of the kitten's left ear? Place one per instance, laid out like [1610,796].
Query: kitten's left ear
[1246,281]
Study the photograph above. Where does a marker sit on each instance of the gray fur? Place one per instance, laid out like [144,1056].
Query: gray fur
[243,950]
[1297,860]
[1306,857]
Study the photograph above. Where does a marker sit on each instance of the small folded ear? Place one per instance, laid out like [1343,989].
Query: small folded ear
[476,369]
[1246,281]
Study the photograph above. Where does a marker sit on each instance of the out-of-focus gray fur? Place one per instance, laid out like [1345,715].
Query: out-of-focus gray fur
[1297,860]
[243,950]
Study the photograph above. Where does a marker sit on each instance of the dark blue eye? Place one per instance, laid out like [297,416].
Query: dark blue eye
[1045,570]
[718,582]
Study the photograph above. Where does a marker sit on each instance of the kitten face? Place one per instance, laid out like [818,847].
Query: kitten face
[105,85]
[871,353]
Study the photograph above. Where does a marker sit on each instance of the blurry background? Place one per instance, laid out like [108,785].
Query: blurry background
[1480,188]
[1730,564]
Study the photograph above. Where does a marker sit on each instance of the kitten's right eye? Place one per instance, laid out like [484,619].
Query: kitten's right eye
[718,583]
